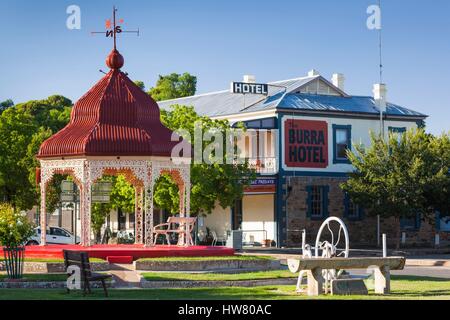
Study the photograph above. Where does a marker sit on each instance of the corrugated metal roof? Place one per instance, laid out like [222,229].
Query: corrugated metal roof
[114,118]
[353,104]
[226,103]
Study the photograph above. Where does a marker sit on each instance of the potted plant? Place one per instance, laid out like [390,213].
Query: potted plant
[267,243]
[15,230]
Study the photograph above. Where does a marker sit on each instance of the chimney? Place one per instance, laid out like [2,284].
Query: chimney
[313,73]
[380,95]
[338,80]
[248,78]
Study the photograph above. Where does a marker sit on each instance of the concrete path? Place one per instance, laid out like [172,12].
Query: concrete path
[429,261]
[125,276]
[432,272]
[441,260]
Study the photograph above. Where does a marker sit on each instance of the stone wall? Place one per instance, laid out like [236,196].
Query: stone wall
[207,265]
[362,233]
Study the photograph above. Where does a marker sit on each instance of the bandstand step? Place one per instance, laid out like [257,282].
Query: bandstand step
[120,259]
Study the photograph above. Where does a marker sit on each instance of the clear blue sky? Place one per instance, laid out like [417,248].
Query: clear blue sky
[220,40]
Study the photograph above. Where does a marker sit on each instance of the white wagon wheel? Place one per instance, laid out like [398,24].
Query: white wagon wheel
[333,240]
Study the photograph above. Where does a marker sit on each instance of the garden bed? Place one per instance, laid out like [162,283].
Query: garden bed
[55,265]
[42,281]
[207,263]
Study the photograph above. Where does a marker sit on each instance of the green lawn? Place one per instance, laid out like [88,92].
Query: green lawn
[402,288]
[178,276]
[40,277]
[227,258]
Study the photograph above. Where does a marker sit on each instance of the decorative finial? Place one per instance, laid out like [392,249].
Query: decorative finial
[115,60]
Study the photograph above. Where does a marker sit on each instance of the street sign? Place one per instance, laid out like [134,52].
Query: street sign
[68,192]
[67,197]
[102,187]
[100,198]
[67,186]
[101,192]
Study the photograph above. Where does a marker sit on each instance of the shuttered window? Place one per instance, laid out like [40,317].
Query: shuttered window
[317,202]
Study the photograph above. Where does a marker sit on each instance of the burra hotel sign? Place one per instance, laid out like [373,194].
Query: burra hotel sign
[305,144]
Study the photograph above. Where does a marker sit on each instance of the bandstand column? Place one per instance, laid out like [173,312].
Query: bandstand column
[187,190]
[182,238]
[149,213]
[43,214]
[85,210]
[182,190]
[139,195]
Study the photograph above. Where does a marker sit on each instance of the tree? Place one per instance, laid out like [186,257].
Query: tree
[99,212]
[437,190]
[210,183]
[174,86]
[16,130]
[391,175]
[23,128]
[5,105]
[140,84]
[122,195]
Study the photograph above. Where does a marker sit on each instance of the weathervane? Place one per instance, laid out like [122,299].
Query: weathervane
[112,29]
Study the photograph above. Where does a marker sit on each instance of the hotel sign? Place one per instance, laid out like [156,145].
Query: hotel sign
[249,88]
[305,144]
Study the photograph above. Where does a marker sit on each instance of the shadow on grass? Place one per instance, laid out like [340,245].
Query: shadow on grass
[263,293]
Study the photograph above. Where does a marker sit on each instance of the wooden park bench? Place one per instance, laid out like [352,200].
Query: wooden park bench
[175,225]
[315,266]
[81,260]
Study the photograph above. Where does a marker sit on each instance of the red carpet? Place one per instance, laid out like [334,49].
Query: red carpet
[120,259]
[124,250]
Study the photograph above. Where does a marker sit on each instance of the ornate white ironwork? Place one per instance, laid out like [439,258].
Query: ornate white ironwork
[139,168]
[181,175]
[73,166]
[148,203]
[141,173]
[138,219]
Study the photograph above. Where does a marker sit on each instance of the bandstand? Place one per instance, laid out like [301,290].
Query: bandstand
[115,128]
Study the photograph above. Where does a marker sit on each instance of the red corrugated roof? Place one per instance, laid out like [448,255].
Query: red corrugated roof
[114,118]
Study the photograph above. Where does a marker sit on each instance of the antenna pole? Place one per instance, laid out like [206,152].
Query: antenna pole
[380,38]
[380,33]
[114,26]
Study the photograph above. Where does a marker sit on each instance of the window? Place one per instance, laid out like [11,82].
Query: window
[131,220]
[317,202]
[58,232]
[342,136]
[411,224]
[122,220]
[269,123]
[237,215]
[398,131]
[268,137]
[247,146]
[353,211]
